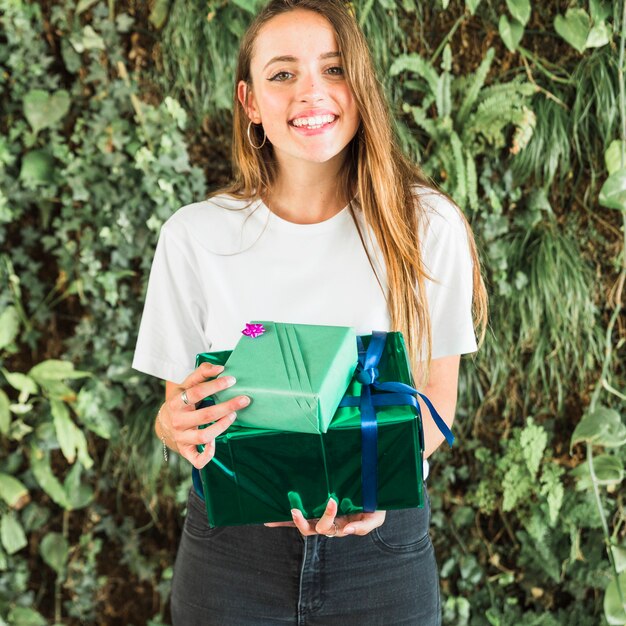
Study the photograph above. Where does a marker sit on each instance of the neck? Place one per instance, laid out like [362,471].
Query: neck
[308,194]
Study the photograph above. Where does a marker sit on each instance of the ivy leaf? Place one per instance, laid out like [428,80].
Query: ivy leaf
[70,437]
[24,616]
[574,28]
[520,10]
[511,32]
[11,533]
[613,191]
[613,156]
[472,5]
[44,110]
[602,427]
[613,607]
[608,469]
[12,491]
[5,413]
[37,168]
[79,494]
[40,466]
[54,369]
[599,10]
[159,13]
[24,384]
[599,36]
[84,5]
[9,325]
[54,550]
[246,5]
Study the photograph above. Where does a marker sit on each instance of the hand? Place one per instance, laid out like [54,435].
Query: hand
[178,422]
[356,524]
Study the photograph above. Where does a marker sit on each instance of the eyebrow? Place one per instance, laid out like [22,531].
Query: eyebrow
[290,59]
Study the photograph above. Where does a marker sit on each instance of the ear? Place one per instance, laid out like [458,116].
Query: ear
[248,102]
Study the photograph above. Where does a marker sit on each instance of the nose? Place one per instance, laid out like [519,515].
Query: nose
[311,87]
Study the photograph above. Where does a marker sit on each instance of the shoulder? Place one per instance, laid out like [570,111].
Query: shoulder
[215,223]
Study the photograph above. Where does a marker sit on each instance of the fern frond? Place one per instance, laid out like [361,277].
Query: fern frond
[417,65]
[460,192]
[472,181]
[478,80]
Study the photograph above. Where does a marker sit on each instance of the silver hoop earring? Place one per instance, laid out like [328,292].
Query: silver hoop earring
[250,139]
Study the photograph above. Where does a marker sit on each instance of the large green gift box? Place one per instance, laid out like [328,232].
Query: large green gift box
[259,475]
[295,374]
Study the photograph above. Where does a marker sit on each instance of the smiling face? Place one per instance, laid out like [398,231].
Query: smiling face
[299,92]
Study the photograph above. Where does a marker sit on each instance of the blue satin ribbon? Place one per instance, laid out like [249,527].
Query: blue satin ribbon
[389,394]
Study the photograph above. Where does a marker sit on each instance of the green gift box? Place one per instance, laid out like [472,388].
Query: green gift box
[259,475]
[295,375]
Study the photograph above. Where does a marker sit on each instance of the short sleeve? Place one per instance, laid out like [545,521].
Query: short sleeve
[171,332]
[448,261]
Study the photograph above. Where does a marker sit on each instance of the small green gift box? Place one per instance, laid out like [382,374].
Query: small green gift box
[295,374]
[259,475]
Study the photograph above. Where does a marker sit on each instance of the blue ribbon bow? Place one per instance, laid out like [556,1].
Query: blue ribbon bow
[389,394]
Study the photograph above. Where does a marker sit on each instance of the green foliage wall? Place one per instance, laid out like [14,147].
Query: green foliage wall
[111,119]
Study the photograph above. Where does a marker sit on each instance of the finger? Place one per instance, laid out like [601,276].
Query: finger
[366,524]
[279,524]
[306,529]
[201,373]
[325,524]
[198,459]
[196,436]
[206,388]
[183,420]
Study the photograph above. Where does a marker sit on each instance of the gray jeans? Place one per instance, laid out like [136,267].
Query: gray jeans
[258,576]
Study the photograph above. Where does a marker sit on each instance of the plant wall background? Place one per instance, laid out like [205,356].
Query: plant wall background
[114,114]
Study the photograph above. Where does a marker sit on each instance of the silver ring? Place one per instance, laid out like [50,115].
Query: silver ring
[184,397]
[335,529]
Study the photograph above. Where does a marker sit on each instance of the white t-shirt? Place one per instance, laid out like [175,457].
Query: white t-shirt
[219,264]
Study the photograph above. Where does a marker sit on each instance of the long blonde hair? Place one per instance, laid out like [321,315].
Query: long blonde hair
[375,173]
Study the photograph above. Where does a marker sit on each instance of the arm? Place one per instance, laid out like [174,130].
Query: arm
[442,391]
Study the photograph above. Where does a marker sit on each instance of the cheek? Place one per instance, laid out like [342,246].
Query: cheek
[272,107]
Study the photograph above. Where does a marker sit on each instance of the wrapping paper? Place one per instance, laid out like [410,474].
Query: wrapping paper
[295,374]
[258,475]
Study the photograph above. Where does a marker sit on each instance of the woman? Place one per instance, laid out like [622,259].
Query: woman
[325,223]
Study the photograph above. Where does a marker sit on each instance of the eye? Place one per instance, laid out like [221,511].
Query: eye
[335,70]
[280,76]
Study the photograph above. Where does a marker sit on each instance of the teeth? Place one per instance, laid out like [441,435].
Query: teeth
[313,122]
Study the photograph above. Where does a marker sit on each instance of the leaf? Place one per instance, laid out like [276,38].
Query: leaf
[472,5]
[511,32]
[70,437]
[417,65]
[79,495]
[619,556]
[9,325]
[37,168]
[21,382]
[613,191]
[44,110]
[24,616]
[602,427]
[246,5]
[11,533]
[54,550]
[599,11]
[599,36]
[54,369]
[84,5]
[91,40]
[613,156]
[40,466]
[12,491]
[159,13]
[5,413]
[607,468]
[520,10]
[613,608]
[574,27]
